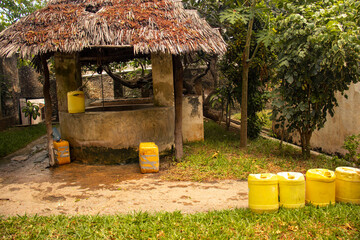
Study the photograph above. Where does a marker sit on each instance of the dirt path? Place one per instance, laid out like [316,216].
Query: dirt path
[27,186]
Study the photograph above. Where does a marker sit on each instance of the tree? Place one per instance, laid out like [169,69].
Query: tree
[224,97]
[318,52]
[258,74]
[247,12]
[13,10]
[31,110]
[239,15]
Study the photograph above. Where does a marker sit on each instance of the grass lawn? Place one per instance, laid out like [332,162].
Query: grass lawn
[16,138]
[220,157]
[340,221]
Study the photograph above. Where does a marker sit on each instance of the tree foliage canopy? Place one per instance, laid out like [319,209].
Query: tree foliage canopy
[318,49]
[13,10]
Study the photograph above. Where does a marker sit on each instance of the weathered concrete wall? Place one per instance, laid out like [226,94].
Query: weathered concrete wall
[93,87]
[30,85]
[112,89]
[346,122]
[68,77]
[10,77]
[193,121]
[163,83]
[95,136]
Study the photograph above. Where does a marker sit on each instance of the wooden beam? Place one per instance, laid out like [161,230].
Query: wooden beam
[178,91]
[48,110]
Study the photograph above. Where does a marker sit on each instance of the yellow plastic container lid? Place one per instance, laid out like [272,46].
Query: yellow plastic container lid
[147,144]
[321,175]
[348,173]
[291,177]
[263,178]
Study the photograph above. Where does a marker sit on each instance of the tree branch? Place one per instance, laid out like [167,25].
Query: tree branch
[254,53]
[138,84]
[198,77]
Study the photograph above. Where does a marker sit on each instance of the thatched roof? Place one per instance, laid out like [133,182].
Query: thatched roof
[145,25]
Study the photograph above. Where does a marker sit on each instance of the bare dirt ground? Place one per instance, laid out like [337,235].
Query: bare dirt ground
[27,186]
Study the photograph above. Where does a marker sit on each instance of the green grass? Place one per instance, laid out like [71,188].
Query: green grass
[16,138]
[220,157]
[333,222]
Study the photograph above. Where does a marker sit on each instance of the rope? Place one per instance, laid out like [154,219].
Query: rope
[99,71]
[102,91]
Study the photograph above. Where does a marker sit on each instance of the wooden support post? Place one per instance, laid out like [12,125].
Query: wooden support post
[178,91]
[48,110]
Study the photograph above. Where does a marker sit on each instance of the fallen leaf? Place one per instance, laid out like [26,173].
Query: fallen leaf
[160,234]
[347,226]
[215,155]
[293,228]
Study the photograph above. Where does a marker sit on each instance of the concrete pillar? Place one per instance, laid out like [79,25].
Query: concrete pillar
[192,118]
[68,77]
[163,83]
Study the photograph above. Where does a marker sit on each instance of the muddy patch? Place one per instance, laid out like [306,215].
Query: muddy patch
[52,198]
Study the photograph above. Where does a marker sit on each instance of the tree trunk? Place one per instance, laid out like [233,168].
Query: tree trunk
[305,138]
[245,76]
[48,110]
[307,144]
[228,116]
[213,70]
[221,116]
[282,136]
[178,92]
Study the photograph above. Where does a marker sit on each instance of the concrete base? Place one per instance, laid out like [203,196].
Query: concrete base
[114,136]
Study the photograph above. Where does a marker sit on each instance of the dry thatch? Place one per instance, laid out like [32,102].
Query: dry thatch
[146,25]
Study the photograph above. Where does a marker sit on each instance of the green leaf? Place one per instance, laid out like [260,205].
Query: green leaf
[290,79]
[234,15]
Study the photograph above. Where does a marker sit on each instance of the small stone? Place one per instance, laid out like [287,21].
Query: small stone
[20,158]
[34,149]
[39,156]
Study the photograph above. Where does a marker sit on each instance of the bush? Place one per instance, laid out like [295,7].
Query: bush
[351,144]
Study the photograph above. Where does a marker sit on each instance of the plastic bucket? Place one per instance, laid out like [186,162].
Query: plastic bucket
[347,185]
[76,102]
[320,187]
[291,189]
[263,192]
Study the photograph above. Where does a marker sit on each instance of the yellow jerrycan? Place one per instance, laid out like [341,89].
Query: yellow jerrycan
[61,152]
[148,157]
[263,192]
[291,189]
[76,102]
[320,187]
[347,185]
